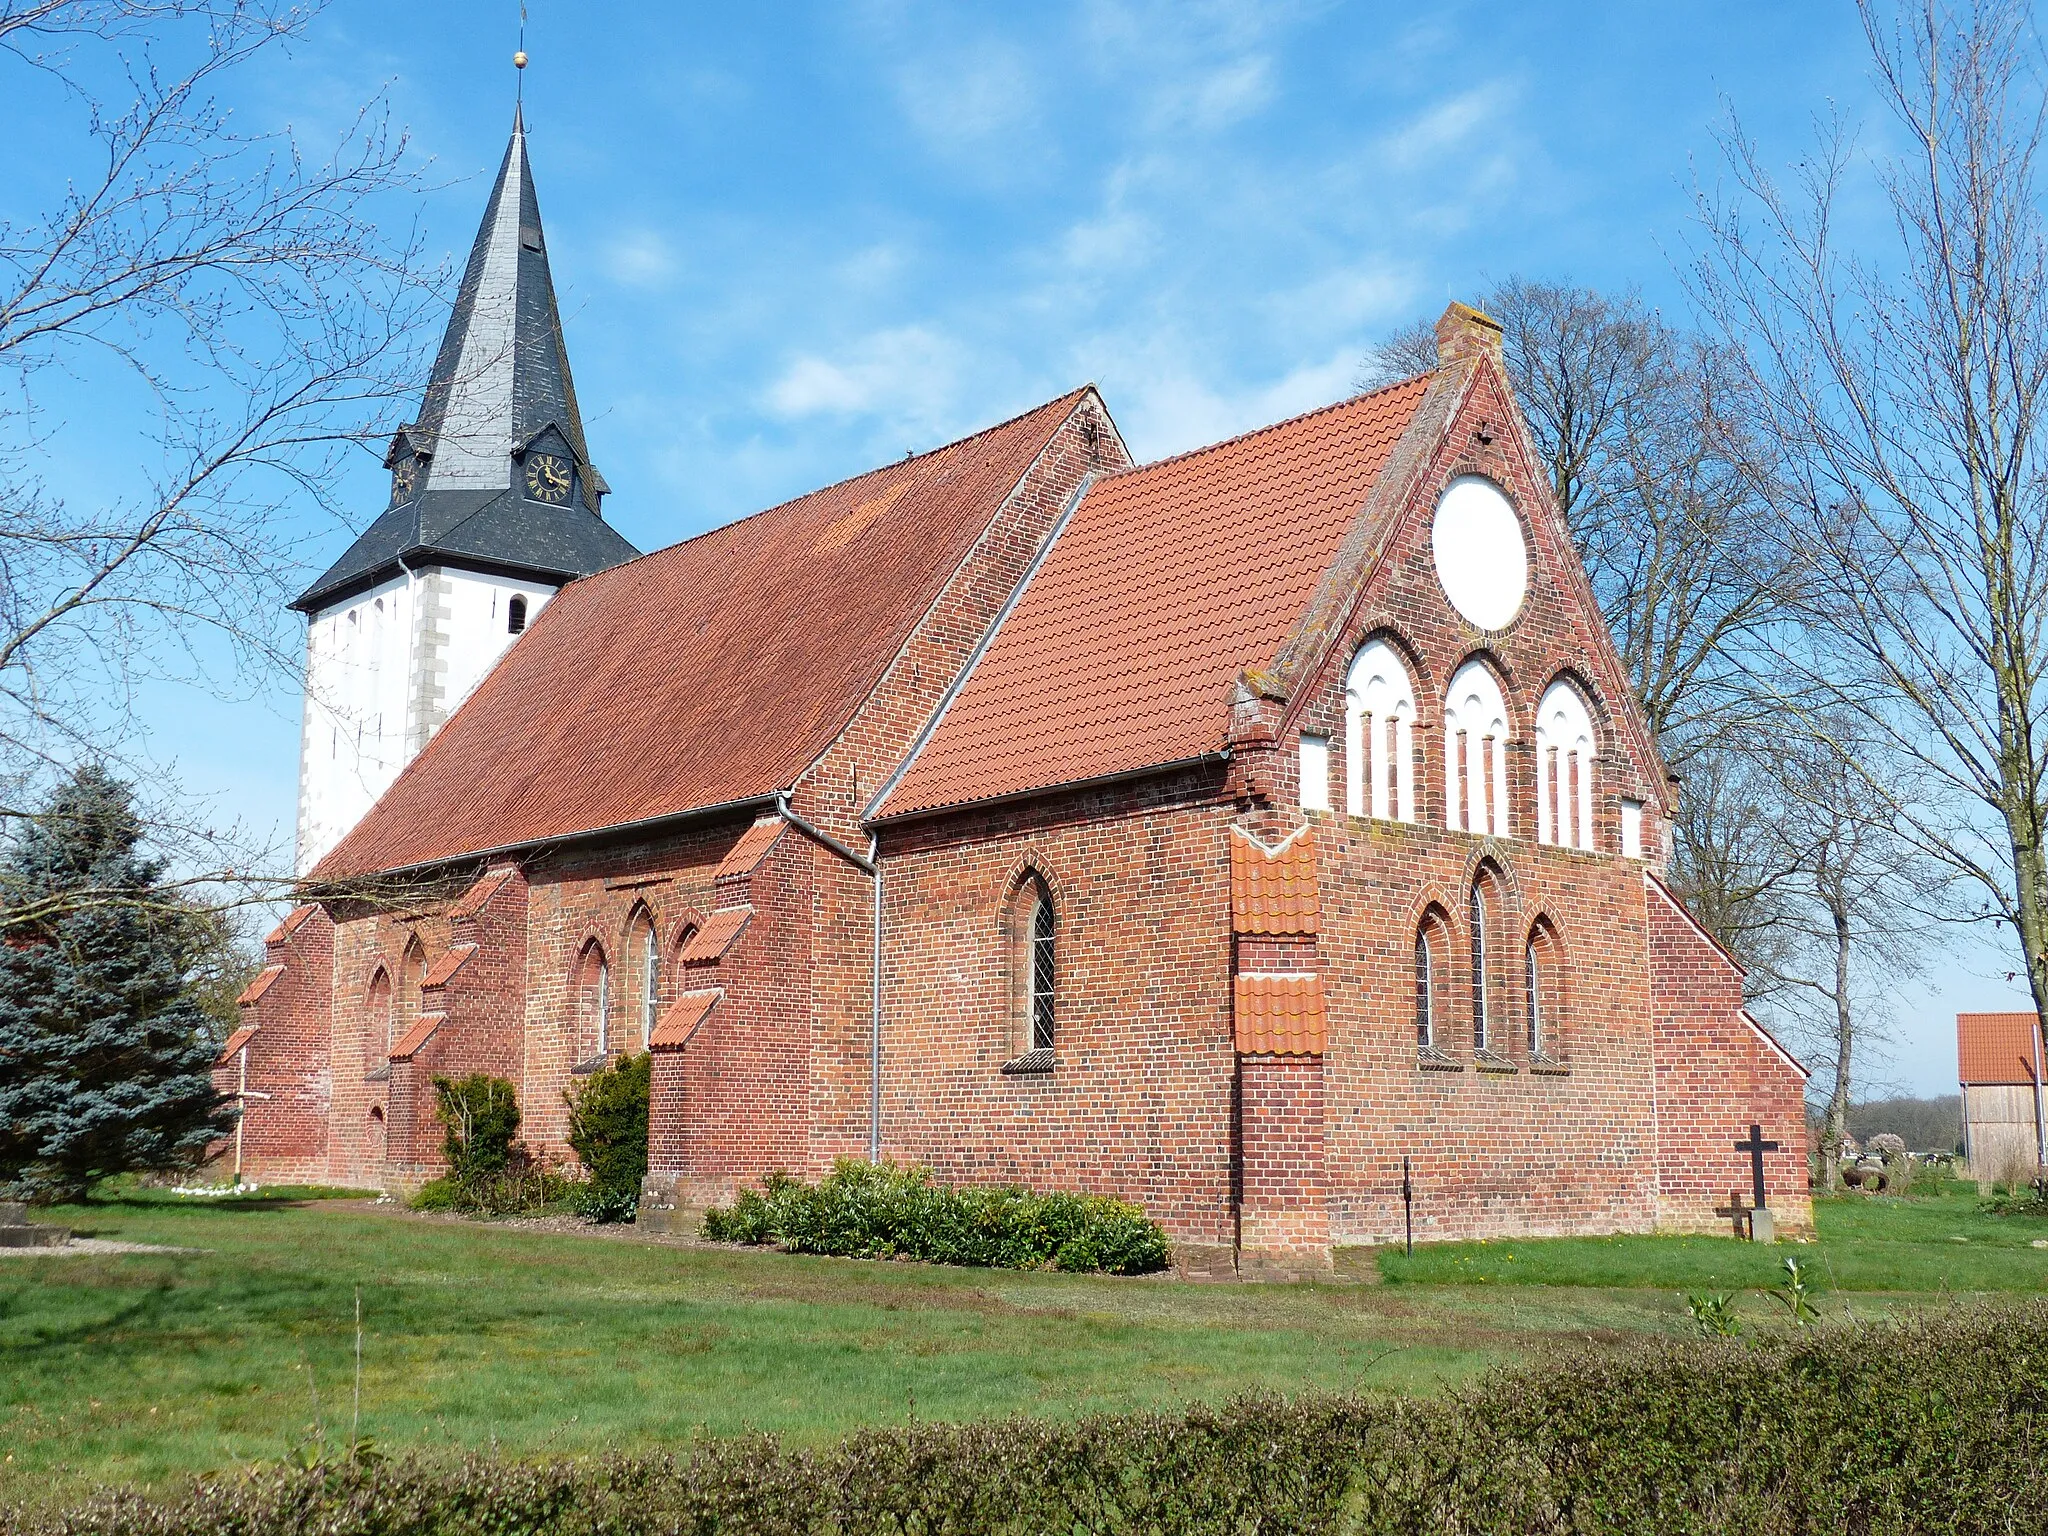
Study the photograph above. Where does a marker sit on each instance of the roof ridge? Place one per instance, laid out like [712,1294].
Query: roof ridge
[833,485]
[1271,426]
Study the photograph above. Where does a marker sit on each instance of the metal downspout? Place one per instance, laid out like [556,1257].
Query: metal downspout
[875,1024]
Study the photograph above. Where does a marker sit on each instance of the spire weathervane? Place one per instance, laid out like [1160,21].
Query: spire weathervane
[519,62]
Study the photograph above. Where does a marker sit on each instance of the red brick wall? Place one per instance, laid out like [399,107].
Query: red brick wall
[1716,1073]
[284,1135]
[1140,1102]
[735,1101]
[367,939]
[1283,1182]
[833,792]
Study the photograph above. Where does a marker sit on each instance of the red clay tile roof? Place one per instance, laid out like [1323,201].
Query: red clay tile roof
[709,672]
[290,925]
[1274,890]
[478,896]
[1168,581]
[752,848]
[235,1042]
[421,1032]
[1280,1015]
[682,1018]
[259,984]
[717,935]
[443,970]
[1998,1048]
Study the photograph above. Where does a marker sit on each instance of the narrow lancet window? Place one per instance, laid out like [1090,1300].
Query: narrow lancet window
[1482,1021]
[1425,991]
[1044,974]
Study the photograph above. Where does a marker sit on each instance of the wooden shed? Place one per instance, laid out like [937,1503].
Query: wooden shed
[1999,1065]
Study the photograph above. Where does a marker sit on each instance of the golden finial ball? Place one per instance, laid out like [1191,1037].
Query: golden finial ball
[519,59]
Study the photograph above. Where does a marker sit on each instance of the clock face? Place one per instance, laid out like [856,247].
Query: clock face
[401,479]
[547,478]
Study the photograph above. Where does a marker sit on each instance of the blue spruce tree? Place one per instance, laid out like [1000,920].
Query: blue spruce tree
[104,1052]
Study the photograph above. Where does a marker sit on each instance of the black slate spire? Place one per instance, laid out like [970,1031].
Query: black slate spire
[500,392]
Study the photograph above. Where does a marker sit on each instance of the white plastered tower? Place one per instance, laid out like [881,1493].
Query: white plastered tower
[494,507]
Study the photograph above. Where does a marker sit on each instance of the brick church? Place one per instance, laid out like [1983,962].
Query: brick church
[1215,833]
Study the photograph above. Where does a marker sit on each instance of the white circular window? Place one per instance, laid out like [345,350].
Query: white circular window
[1481,557]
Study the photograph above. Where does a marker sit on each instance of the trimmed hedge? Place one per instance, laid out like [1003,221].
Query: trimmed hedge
[1926,1426]
[879,1211]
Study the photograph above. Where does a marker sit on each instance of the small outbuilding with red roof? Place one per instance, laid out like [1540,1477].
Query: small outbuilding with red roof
[2000,1070]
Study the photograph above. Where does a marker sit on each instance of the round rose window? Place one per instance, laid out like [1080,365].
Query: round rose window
[1482,558]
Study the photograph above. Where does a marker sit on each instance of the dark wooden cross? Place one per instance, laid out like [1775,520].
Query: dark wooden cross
[1756,1147]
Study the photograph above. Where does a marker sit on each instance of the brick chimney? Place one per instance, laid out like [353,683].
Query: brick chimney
[1465,332]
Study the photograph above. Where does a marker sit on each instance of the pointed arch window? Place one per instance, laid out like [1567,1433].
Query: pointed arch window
[413,968]
[1430,950]
[1044,974]
[1031,928]
[1379,735]
[1543,984]
[1476,753]
[594,997]
[1565,752]
[1483,1030]
[644,959]
[379,1021]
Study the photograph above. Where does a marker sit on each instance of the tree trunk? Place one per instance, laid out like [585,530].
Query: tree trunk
[1834,1124]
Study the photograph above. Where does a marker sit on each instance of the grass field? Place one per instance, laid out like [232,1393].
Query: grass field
[139,1367]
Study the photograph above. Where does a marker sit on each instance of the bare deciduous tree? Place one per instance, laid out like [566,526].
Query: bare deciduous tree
[237,296]
[1901,377]
[1850,910]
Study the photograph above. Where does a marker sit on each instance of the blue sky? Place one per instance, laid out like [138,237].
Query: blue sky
[793,241]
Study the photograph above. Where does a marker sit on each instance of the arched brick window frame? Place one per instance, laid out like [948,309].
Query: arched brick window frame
[685,928]
[1488,960]
[1545,991]
[640,953]
[1030,933]
[590,995]
[1567,754]
[412,971]
[380,1020]
[1478,730]
[1380,715]
[1433,989]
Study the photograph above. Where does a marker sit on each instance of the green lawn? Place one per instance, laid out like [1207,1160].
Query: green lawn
[138,1367]
[1934,1242]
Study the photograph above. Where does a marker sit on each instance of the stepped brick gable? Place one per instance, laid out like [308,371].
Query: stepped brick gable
[1214,833]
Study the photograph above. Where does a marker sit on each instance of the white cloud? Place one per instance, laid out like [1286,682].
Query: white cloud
[961,96]
[904,376]
[641,259]
[1449,126]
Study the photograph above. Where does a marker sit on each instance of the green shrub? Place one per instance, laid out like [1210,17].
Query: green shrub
[879,1211]
[1929,1425]
[490,1172]
[608,1129]
[482,1116]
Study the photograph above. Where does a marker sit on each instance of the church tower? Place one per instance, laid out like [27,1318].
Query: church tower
[494,505]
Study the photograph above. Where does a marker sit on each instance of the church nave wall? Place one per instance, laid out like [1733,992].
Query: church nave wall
[1137,1102]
